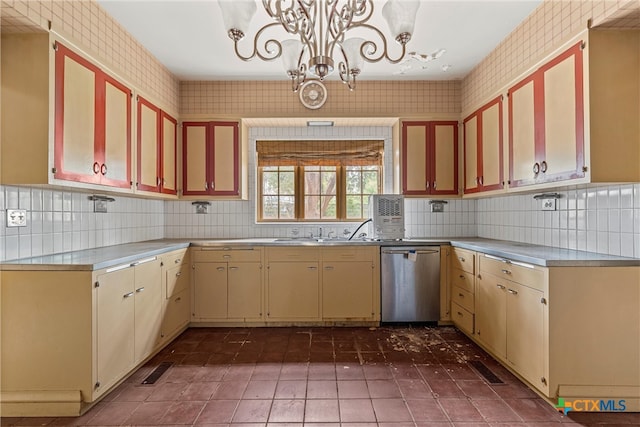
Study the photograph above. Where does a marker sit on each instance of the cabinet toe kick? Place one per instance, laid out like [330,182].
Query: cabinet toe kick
[51,403]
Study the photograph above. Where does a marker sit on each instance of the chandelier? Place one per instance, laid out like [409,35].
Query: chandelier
[320,28]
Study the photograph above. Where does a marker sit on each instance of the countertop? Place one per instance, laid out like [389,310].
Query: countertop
[99,258]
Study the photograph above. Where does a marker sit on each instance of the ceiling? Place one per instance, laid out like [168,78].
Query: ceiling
[188,37]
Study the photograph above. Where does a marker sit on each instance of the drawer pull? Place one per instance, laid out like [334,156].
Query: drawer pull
[177,261]
[460,314]
[233,268]
[462,277]
[226,256]
[504,271]
[501,287]
[220,268]
[328,267]
[312,268]
[179,273]
[512,292]
[461,259]
[178,299]
[140,289]
[460,295]
[128,295]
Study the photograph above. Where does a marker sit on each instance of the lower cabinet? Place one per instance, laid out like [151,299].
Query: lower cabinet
[227,284]
[293,291]
[176,294]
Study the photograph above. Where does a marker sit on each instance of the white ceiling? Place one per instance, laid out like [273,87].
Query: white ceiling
[188,37]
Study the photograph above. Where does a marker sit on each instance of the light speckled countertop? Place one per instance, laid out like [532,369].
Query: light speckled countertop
[99,258]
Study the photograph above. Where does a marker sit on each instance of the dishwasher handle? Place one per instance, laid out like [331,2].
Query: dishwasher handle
[406,252]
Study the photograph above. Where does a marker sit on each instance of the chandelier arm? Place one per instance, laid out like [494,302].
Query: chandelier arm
[270,50]
[369,48]
[347,76]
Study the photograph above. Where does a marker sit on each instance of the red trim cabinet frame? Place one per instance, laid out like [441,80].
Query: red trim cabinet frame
[429,158]
[483,148]
[210,158]
[156,148]
[92,128]
[546,122]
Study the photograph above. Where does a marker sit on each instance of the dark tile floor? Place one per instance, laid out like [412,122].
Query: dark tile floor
[324,377]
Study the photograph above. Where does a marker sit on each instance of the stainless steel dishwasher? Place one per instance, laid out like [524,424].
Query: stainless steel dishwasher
[410,283]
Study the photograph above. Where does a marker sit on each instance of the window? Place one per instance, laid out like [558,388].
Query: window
[317,180]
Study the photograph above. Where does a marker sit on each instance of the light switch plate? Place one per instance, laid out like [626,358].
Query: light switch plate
[16,218]
[548,204]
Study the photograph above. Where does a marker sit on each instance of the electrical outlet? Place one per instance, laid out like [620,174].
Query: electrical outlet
[16,218]
[437,207]
[100,206]
[548,204]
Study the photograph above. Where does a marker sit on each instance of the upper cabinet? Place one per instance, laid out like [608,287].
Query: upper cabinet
[210,159]
[575,118]
[483,148]
[156,148]
[430,158]
[92,130]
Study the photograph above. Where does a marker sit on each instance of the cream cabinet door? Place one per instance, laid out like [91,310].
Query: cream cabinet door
[471,141]
[414,155]
[525,331]
[244,290]
[491,177]
[148,307]
[210,290]
[148,153]
[522,137]
[116,152]
[490,306]
[169,154]
[225,158]
[115,301]
[445,158]
[194,142]
[293,291]
[347,290]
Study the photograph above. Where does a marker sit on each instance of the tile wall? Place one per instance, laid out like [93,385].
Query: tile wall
[602,219]
[61,221]
[238,218]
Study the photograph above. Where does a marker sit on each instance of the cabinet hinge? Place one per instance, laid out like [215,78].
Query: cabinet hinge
[96,285]
[55,46]
[97,385]
[193,266]
[583,45]
[585,169]
[543,300]
[543,380]
[54,170]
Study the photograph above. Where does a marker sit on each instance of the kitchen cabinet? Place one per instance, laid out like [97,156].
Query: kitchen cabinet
[87,331]
[429,158]
[463,289]
[573,117]
[156,148]
[92,132]
[483,148]
[227,284]
[81,135]
[176,292]
[210,159]
[293,284]
[349,283]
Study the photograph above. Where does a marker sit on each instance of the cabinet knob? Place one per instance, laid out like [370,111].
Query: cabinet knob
[543,166]
[103,169]
[536,168]
[213,185]
[177,261]
[96,168]
[481,180]
[206,185]
[434,185]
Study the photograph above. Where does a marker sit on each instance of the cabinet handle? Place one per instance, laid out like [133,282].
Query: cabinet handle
[96,167]
[477,180]
[461,259]
[206,185]
[505,271]
[543,166]
[220,268]
[536,168]
[328,267]
[512,292]
[158,182]
[501,287]
[103,169]
[459,314]
[213,185]
[140,289]
[129,295]
[226,256]
[178,299]
[427,184]
[481,180]
[233,268]
[434,185]
[179,273]
[462,277]
[312,268]
[460,295]
[177,261]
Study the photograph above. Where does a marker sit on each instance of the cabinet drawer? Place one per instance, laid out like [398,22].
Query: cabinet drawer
[463,298]
[463,260]
[293,253]
[177,313]
[349,253]
[174,258]
[462,318]
[525,274]
[226,254]
[177,280]
[463,279]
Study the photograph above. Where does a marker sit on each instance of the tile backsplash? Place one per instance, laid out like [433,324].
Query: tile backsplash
[603,219]
[61,221]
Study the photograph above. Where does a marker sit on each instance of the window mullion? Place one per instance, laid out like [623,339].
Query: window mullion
[299,192]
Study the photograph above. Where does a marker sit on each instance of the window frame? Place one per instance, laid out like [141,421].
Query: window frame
[299,195]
